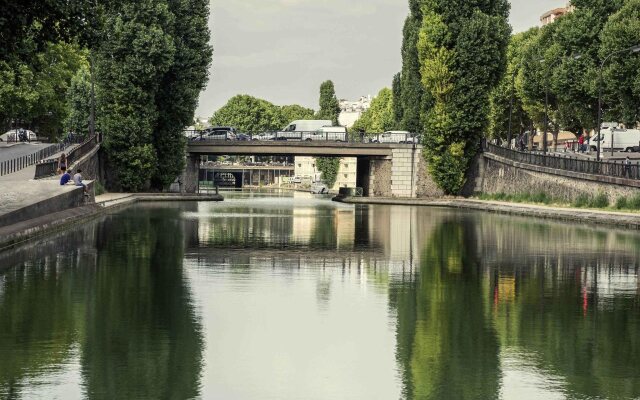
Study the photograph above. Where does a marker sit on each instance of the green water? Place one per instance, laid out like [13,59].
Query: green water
[283,296]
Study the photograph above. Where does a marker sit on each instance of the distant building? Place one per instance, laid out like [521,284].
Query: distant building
[350,111]
[305,168]
[556,13]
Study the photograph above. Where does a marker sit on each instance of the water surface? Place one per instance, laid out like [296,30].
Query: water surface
[290,296]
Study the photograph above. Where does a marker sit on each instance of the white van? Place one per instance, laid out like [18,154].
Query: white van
[623,139]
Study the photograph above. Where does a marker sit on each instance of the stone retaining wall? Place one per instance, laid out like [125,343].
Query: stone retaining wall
[505,176]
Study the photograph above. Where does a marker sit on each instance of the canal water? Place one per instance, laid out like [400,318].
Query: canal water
[290,296]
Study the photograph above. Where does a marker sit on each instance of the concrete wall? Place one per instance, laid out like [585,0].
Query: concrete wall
[498,175]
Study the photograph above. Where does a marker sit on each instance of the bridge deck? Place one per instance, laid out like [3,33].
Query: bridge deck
[288,148]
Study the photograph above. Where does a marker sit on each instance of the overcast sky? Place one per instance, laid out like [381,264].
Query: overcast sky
[281,50]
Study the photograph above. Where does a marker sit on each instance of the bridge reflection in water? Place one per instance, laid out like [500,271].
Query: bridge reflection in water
[459,304]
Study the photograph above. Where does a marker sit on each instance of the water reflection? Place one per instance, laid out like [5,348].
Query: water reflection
[291,296]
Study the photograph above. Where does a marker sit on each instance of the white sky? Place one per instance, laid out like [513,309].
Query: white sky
[281,50]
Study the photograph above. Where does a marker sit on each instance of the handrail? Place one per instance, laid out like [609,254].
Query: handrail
[49,167]
[566,163]
[19,163]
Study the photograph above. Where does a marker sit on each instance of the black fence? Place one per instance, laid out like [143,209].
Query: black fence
[49,167]
[340,137]
[566,163]
[18,163]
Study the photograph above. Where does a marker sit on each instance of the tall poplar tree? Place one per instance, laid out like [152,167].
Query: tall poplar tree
[413,95]
[133,56]
[462,48]
[329,105]
[181,85]
[396,90]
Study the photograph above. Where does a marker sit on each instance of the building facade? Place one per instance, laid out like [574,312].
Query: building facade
[305,168]
[350,111]
[552,15]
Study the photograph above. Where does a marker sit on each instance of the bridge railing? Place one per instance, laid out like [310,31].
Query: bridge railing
[567,163]
[49,167]
[18,163]
[338,137]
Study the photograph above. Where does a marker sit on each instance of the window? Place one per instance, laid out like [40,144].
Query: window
[346,176]
[299,165]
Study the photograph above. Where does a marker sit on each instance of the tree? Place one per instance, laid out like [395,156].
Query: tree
[396,89]
[249,114]
[181,85]
[329,105]
[79,103]
[329,167]
[295,112]
[414,101]
[622,74]
[379,117]
[132,59]
[462,49]
[500,98]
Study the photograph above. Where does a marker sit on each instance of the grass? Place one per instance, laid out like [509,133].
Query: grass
[598,201]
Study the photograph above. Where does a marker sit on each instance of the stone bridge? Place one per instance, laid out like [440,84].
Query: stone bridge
[384,169]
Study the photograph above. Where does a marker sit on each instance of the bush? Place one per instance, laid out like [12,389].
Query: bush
[634,202]
[581,201]
[622,203]
[599,201]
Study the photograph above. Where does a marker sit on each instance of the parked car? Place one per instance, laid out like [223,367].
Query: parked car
[265,136]
[12,136]
[633,149]
[392,137]
[243,137]
[218,133]
[296,179]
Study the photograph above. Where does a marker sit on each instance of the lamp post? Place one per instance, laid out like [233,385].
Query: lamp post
[546,96]
[633,49]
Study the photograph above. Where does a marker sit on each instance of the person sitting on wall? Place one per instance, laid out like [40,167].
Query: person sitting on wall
[77,179]
[65,178]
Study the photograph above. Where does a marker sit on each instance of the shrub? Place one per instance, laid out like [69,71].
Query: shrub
[622,203]
[601,200]
[581,201]
[634,202]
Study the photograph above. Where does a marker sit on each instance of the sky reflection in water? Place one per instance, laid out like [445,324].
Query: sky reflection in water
[287,296]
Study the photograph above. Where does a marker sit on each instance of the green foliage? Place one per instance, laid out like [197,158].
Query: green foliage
[526,197]
[329,105]
[128,87]
[622,74]
[462,52]
[601,200]
[180,87]
[296,112]
[581,201]
[329,167]
[396,90]
[379,117]
[79,103]
[621,203]
[249,114]
[500,98]
[413,97]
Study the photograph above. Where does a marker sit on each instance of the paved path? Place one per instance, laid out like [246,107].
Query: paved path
[20,149]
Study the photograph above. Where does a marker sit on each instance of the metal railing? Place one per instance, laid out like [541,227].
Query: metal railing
[49,167]
[566,163]
[19,163]
[339,137]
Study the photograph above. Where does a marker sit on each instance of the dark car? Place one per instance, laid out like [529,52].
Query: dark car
[633,149]
[243,137]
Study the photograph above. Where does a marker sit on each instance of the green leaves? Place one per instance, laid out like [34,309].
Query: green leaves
[462,55]
[329,167]
[379,117]
[329,105]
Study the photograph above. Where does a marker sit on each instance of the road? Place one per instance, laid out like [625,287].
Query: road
[19,150]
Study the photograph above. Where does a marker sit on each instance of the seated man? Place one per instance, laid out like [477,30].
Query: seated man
[65,178]
[77,179]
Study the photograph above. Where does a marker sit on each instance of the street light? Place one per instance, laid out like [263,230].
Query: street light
[632,49]
[546,95]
